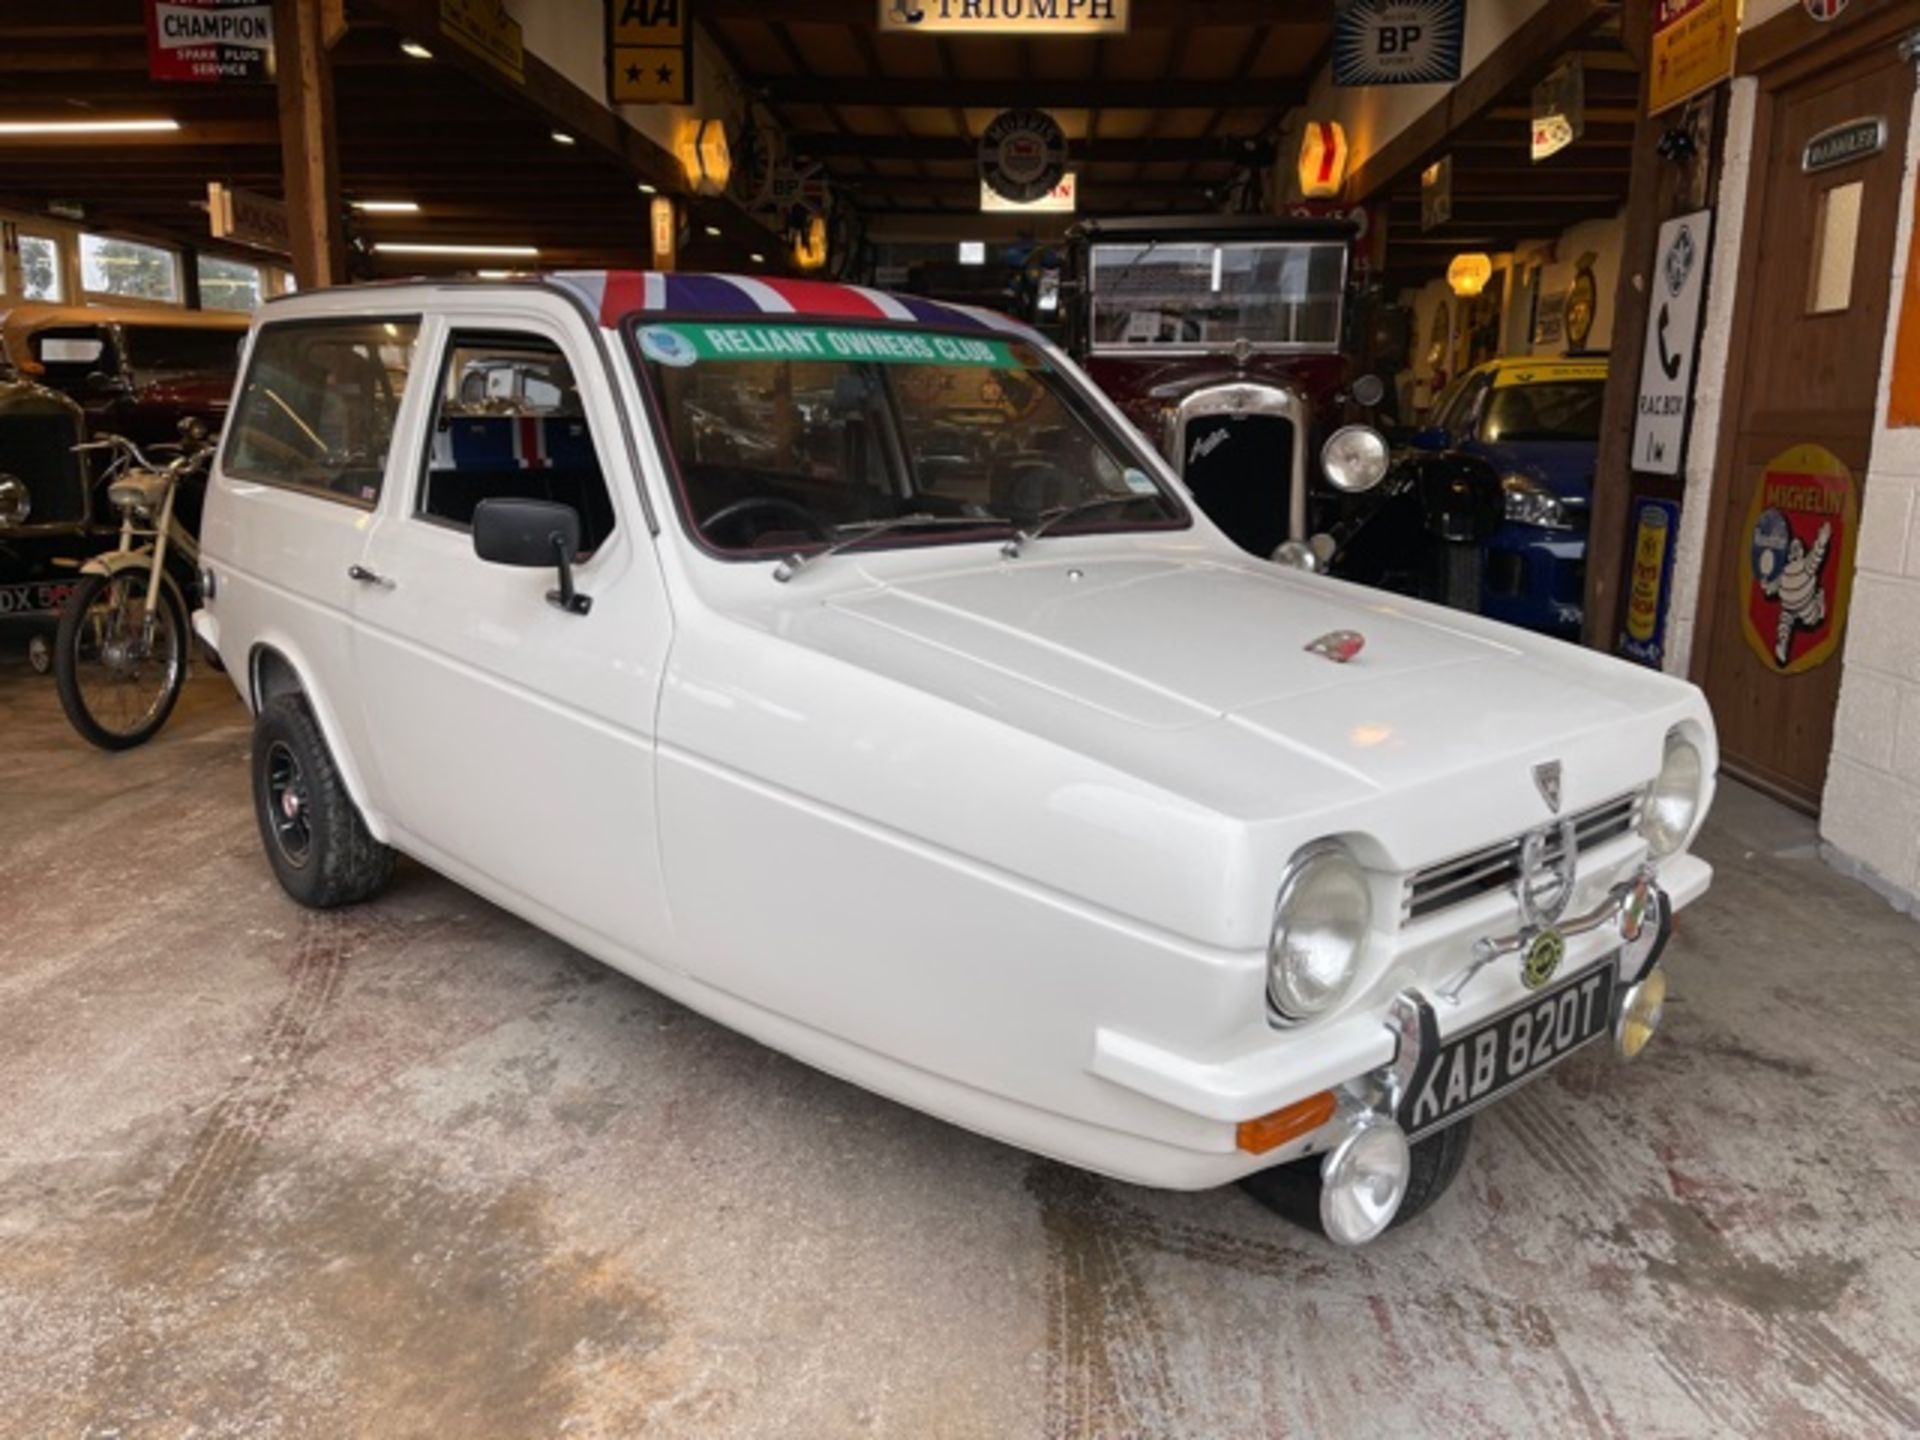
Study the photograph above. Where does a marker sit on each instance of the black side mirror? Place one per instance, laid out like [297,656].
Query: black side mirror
[99,382]
[532,534]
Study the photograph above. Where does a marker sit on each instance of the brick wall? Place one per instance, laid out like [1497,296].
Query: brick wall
[1870,818]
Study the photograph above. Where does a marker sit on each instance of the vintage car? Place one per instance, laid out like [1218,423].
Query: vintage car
[69,373]
[49,509]
[137,371]
[1223,338]
[845,666]
[1537,423]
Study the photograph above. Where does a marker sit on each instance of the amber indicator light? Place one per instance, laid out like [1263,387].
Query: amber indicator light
[1269,1132]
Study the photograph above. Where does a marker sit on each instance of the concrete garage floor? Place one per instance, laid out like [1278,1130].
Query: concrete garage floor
[419,1170]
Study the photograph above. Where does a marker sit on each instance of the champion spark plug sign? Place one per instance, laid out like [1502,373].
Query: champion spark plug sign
[209,41]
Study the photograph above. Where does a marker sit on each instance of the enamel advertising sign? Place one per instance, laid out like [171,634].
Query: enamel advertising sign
[209,41]
[1798,570]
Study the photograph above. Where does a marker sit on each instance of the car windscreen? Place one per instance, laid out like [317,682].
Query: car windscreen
[1564,410]
[787,436]
[157,354]
[67,354]
[1184,295]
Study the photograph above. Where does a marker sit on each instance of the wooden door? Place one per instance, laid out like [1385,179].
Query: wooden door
[1817,256]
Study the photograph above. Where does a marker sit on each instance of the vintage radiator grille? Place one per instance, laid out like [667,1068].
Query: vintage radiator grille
[1438,887]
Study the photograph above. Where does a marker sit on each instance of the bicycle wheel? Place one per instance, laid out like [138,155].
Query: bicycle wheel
[118,670]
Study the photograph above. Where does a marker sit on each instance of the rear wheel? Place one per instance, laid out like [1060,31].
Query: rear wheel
[316,841]
[1292,1191]
[119,669]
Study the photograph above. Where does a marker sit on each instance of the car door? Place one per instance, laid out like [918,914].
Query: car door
[514,738]
[300,474]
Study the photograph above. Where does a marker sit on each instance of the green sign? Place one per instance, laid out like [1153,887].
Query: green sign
[688,344]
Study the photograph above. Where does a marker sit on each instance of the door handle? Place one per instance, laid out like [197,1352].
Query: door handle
[368,577]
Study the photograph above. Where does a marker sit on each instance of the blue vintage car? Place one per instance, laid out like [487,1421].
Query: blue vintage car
[1537,422]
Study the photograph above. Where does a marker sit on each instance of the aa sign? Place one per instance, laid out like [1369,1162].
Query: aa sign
[1673,342]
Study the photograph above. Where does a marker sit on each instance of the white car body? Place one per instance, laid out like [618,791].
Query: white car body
[997,837]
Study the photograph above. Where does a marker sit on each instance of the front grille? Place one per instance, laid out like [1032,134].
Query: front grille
[1496,867]
[38,451]
[1239,468]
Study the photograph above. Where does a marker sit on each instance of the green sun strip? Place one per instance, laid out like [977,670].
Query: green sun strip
[686,343]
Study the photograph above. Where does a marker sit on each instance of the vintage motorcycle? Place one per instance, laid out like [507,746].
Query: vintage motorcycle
[120,654]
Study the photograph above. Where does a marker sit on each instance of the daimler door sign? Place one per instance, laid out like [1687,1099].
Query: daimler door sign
[1843,144]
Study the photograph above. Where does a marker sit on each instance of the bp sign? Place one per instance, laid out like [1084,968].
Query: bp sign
[1023,154]
[1398,42]
[1798,567]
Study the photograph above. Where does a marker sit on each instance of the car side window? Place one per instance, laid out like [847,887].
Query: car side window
[508,423]
[317,409]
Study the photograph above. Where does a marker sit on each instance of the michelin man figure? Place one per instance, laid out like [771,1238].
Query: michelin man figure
[1791,575]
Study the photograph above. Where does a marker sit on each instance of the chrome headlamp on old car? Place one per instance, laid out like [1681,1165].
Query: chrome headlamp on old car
[1320,925]
[1673,802]
[15,503]
[1354,458]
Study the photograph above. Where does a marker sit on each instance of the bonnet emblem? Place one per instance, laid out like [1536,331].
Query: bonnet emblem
[1338,646]
[1546,778]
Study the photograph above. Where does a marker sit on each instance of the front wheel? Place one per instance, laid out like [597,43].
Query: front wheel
[1293,1190]
[118,668]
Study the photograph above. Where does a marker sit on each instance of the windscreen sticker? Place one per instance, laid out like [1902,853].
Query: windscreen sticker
[666,346]
[1548,372]
[684,344]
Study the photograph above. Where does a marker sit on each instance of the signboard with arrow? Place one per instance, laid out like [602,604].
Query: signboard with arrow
[1673,335]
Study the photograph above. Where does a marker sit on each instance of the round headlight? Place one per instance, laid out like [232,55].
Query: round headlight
[1319,929]
[1355,458]
[1673,804]
[15,503]
[1364,1180]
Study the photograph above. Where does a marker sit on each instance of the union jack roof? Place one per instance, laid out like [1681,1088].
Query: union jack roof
[615,294]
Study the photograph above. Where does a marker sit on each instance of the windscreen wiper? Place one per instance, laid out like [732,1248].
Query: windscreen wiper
[869,530]
[1051,518]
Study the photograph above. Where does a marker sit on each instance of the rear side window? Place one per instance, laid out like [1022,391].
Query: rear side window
[317,410]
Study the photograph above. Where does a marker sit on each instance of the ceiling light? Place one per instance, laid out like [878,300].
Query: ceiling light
[757,258]
[408,247]
[714,231]
[496,274]
[387,207]
[86,127]
[415,50]
[561,137]
[646,189]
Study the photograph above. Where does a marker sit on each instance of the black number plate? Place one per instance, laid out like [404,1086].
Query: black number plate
[34,597]
[1485,1063]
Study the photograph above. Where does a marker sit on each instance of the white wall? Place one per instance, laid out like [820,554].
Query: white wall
[571,36]
[1373,115]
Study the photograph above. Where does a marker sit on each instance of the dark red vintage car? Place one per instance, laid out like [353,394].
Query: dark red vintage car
[69,373]
[1222,338]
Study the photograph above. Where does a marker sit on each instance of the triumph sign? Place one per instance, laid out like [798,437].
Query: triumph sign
[209,41]
[1034,19]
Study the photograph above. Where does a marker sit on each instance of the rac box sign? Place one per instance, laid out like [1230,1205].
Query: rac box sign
[1398,42]
[209,41]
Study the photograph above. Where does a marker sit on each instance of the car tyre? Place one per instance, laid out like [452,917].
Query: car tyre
[1292,1191]
[316,841]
